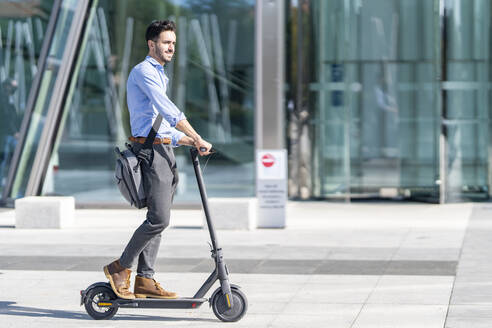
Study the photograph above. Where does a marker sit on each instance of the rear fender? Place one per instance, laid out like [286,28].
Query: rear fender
[83,293]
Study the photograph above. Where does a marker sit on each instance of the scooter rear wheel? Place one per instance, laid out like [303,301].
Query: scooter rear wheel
[239,306]
[97,295]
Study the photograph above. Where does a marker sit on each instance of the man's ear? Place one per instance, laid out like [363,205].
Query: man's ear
[150,44]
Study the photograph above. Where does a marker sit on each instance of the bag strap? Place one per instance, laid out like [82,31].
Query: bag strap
[153,132]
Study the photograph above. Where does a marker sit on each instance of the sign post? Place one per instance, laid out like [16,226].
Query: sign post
[271,187]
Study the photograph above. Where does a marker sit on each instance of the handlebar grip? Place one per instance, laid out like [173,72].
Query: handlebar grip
[212,150]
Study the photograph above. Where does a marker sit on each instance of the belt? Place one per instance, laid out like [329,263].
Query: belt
[157,141]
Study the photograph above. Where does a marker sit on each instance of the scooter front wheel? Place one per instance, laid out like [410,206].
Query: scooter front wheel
[239,306]
[97,303]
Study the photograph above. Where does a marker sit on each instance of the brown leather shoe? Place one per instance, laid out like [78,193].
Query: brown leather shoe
[119,278]
[147,287]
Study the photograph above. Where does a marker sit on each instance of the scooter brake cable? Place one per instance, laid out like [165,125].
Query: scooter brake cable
[205,166]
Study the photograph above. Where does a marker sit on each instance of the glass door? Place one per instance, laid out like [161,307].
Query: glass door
[376,98]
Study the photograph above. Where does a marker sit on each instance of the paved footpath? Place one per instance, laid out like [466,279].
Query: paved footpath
[335,265]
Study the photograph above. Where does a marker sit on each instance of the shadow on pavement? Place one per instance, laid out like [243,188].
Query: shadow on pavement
[9,308]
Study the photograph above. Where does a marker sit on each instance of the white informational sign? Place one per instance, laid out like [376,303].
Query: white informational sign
[271,187]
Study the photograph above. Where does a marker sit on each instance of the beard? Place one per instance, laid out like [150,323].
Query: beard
[162,57]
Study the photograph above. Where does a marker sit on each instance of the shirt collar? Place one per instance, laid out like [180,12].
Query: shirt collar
[153,62]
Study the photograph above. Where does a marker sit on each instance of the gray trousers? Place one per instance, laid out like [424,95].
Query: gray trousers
[160,178]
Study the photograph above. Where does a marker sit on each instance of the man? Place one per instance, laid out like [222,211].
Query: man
[146,97]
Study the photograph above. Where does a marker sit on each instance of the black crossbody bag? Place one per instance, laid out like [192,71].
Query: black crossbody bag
[128,172]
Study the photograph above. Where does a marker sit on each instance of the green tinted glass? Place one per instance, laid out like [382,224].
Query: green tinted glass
[211,77]
[38,117]
[374,100]
[22,32]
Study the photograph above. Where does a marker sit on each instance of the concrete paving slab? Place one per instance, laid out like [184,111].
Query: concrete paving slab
[423,290]
[427,254]
[297,252]
[424,238]
[477,291]
[352,267]
[328,315]
[471,300]
[468,323]
[428,268]
[339,291]
[469,316]
[401,316]
[362,253]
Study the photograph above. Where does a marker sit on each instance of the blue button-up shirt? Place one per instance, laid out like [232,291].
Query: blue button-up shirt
[146,97]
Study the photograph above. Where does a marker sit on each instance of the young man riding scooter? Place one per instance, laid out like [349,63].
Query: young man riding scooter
[146,98]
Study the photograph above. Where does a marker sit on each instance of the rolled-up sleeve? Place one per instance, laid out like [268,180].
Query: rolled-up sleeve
[148,81]
[175,137]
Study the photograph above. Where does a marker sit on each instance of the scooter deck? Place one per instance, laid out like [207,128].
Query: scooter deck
[175,303]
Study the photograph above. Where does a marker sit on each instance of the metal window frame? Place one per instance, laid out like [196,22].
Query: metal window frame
[442,76]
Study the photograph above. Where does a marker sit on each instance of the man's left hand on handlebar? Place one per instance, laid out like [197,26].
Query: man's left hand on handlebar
[200,144]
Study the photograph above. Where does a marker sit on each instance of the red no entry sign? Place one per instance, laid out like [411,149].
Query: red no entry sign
[268,160]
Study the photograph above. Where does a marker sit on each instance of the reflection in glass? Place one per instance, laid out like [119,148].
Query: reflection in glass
[22,26]
[374,99]
[37,121]
[211,82]
[467,100]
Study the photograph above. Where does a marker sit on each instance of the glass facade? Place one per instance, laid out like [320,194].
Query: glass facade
[391,112]
[384,98]
[466,102]
[211,82]
[47,89]
[22,32]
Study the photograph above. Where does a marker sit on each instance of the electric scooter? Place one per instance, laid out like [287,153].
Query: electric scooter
[228,302]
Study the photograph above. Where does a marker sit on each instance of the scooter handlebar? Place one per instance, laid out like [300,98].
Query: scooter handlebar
[194,151]
[212,150]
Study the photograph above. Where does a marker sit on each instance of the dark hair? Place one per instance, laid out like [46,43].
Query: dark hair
[157,27]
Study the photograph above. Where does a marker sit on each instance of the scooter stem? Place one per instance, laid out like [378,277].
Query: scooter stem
[221,269]
[203,195]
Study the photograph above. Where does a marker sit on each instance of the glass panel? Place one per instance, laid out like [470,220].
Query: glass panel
[48,79]
[211,82]
[332,176]
[467,99]
[22,30]
[376,123]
